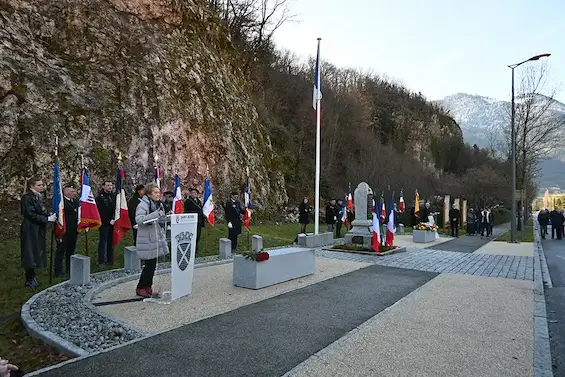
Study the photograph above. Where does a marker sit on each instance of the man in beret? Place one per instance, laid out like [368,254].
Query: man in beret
[67,245]
[193,204]
[234,211]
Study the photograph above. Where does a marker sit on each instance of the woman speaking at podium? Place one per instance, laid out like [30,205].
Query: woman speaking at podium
[151,241]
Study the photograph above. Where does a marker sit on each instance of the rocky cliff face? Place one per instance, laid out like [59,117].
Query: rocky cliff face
[141,78]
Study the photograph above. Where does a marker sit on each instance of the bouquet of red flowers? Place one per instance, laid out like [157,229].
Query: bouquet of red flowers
[257,257]
[261,256]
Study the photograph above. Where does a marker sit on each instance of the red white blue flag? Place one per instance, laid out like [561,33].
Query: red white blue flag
[391,224]
[248,206]
[376,239]
[208,207]
[58,205]
[88,215]
[158,175]
[121,214]
[317,95]
[177,200]
[402,205]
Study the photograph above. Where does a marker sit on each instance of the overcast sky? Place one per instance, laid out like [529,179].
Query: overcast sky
[438,47]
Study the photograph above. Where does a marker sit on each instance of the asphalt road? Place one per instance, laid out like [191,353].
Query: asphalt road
[555,302]
[267,338]
[468,244]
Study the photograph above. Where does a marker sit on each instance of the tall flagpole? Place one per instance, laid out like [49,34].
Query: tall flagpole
[317,194]
[53,210]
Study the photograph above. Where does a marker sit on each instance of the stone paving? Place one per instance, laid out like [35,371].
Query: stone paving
[499,266]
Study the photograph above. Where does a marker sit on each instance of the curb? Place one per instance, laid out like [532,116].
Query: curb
[543,366]
[67,347]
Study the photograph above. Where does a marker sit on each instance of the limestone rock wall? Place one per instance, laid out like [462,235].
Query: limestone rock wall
[143,78]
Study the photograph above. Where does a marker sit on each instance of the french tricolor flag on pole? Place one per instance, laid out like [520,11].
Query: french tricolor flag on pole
[317,81]
[376,239]
[177,200]
[208,207]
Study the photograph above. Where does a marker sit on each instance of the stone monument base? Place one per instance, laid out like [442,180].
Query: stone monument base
[360,234]
[359,239]
[315,240]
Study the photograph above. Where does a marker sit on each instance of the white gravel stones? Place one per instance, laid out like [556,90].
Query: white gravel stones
[63,311]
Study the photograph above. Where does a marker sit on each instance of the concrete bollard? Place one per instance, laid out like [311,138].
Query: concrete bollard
[80,269]
[225,248]
[401,228]
[257,243]
[131,260]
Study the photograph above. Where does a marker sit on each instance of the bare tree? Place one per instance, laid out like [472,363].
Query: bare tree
[538,129]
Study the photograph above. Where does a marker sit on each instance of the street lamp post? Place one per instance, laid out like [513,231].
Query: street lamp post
[513,141]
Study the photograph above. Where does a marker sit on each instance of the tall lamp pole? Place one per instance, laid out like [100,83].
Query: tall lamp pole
[513,141]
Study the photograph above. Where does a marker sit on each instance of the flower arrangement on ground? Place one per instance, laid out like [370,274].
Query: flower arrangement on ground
[256,256]
[423,226]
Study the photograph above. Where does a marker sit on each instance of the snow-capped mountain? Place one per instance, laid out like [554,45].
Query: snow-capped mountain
[484,120]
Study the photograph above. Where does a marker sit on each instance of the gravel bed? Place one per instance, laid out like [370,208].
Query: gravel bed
[63,311]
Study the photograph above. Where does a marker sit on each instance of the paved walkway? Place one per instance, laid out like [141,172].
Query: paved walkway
[468,244]
[405,324]
[267,338]
[554,251]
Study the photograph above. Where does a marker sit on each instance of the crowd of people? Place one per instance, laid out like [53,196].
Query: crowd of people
[556,219]
[480,221]
[147,203]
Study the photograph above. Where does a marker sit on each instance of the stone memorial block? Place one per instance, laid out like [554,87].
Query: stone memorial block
[446,208]
[464,212]
[283,265]
[80,269]
[131,260]
[363,202]
[400,228]
[257,243]
[225,248]
[423,236]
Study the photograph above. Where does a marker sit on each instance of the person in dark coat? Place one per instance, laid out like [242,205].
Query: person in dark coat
[454,216]
[234,210]
[193,204]
[67,245]
[304,210]
[471,222]
[331,215]
[168,201]
[33,230]
[556,223]
[340,209]
[543,220]
[106,203]
[425,213]
[132,206]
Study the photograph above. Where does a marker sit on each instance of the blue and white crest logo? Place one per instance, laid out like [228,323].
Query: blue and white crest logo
[184,247]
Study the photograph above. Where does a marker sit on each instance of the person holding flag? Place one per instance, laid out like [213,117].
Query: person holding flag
[66,246]
[106,204]
[193,204]
[33,230]
[233,210]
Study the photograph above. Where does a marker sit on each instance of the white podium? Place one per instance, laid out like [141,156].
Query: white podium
[183,251]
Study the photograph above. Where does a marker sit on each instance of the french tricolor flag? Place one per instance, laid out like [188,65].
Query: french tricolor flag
[376,239]
[58,205]
[177,200]
[121,214]
[391,224]
[317,95]
[248,205]
[208,206]
[158,175]
[402,205]
[88,215]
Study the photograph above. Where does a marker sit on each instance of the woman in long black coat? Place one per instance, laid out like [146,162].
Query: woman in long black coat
[33,230]
[304,211]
